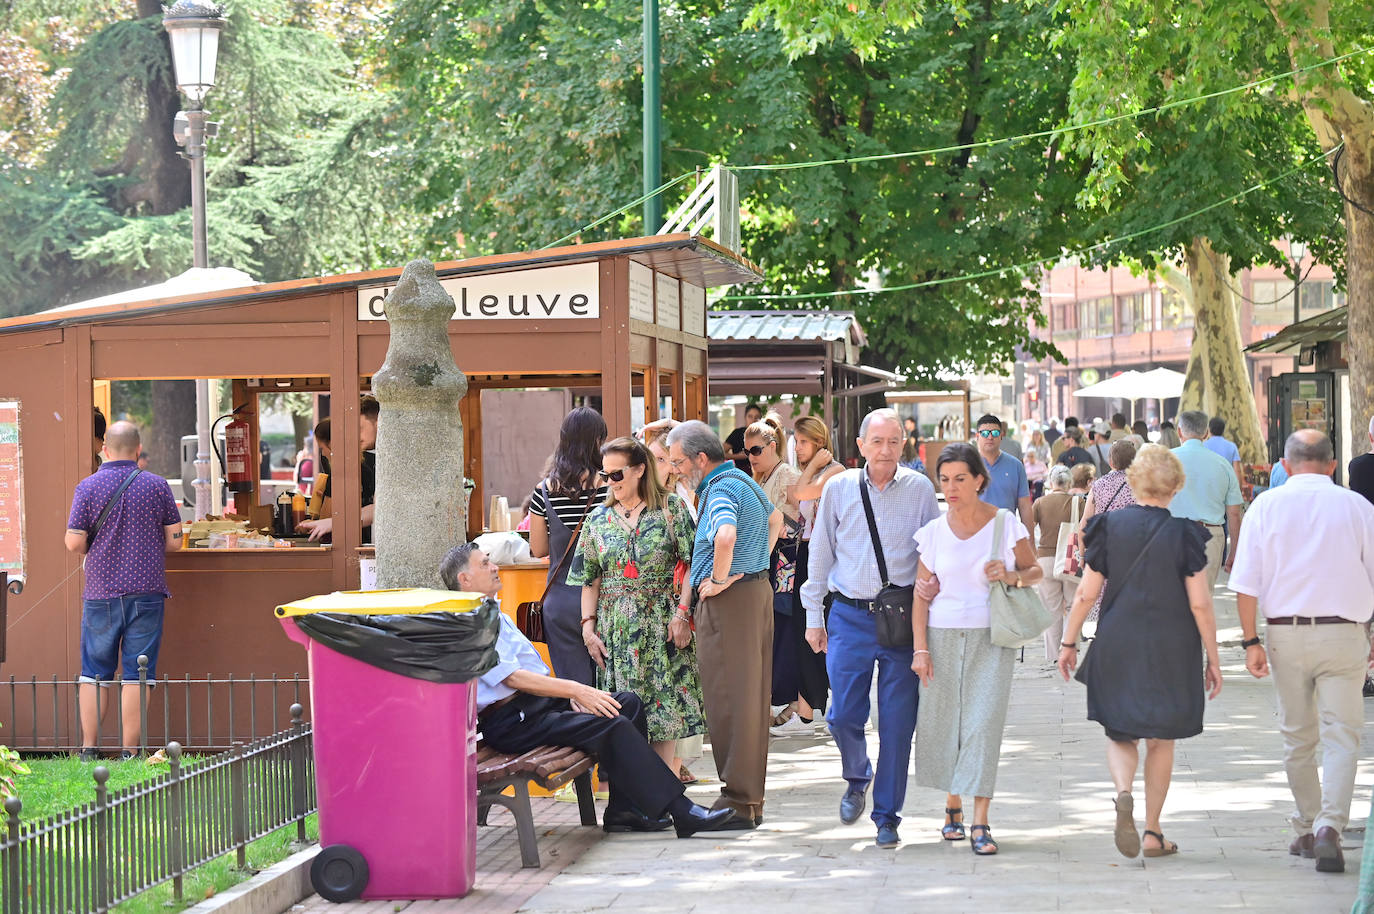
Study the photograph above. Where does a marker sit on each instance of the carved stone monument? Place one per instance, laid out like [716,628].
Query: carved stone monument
[421,508]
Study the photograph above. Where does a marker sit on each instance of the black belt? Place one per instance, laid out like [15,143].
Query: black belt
[519,699]
[866,605]
[1310,620]
[747,576]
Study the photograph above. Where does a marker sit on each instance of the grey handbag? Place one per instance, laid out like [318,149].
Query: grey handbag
[1018,614]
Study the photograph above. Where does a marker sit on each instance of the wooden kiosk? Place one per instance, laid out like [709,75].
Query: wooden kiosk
[627,316]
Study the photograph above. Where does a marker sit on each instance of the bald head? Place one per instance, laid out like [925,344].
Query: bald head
[1309,451]
[122,441]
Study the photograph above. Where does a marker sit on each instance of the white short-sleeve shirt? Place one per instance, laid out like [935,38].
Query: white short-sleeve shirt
[964,588]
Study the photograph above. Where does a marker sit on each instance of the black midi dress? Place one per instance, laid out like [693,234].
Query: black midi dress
[1143,670]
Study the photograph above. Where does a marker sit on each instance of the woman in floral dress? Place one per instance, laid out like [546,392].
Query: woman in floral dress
[634,617]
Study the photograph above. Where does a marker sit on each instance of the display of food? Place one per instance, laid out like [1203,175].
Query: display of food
[230,533]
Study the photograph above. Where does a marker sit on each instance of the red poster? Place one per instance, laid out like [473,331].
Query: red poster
[11,491]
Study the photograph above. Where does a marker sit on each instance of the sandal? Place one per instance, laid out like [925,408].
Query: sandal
[953,831]
[685,776]
[1127,838]
[1165,849]
[982,845]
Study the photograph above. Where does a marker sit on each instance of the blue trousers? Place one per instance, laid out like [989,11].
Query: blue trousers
[852,651]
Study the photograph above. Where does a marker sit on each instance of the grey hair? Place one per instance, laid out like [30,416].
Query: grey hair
[1193,423]
[1300,448]
[695,437]
[883,414]
[1371,427]
[1059,478]
[456,562]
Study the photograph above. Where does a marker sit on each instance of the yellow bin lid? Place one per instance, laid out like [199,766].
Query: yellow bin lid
[400,601]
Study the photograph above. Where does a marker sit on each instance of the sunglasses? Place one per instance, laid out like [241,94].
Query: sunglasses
[758,449]
[990,432]
[616,476]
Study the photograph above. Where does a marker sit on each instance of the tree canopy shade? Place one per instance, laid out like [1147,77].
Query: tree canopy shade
[529,127]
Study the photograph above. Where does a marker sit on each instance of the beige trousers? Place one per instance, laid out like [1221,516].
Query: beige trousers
[735,658]
[1215,546]
[1058,598]
[1318,674]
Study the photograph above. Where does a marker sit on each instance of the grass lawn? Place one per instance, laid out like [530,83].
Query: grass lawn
[60,784]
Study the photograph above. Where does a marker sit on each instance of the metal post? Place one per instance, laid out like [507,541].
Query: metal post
[142,703]
[9,854]
[298,795]
[176,846]
[653,123]
[195,154]
[102,877]
[238,806]
[1297,313]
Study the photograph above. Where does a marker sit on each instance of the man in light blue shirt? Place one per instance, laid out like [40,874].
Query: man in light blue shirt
[843,565]
[1211,491]
[1007,485]
[521,707]
[1218,443]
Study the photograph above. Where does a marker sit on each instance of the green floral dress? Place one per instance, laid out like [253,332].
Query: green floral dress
[633,614]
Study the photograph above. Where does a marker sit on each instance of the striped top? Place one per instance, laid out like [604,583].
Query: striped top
[569,508]
[728,496]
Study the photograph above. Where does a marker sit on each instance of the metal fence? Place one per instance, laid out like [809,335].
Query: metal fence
[203,714]
[93,857]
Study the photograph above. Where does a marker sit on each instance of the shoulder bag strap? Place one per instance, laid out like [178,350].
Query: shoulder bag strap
[572,541]
[109,505]
[996,554]
[1117,492]
[873,528]
[1073,508]
[1134,565]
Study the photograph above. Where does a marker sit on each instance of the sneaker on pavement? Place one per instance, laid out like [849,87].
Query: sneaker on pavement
[794,726]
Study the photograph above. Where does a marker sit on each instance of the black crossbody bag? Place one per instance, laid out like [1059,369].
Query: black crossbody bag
[109,506]
[892,605]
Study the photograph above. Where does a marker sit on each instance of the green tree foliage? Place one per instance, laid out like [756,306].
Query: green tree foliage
[528,125]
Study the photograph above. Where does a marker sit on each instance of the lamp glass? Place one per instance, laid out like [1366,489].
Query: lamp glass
[194,50]
[1296,249]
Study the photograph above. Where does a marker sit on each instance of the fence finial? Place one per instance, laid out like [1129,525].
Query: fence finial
[297,712]
[14,806]
[174,751]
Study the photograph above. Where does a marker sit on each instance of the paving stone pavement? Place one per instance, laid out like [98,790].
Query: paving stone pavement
[1052,816]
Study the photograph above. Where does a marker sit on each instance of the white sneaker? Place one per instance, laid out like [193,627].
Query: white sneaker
[775,710]
[794,726]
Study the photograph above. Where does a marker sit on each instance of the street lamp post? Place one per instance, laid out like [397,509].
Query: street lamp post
[193,29]
[1296,252]
[653,124]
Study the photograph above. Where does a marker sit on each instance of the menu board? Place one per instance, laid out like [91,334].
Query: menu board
[669,304]
[11,491]
[693,309]
[641,292]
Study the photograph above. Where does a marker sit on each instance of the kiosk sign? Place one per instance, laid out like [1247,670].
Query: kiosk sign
[11,491]
[567,292]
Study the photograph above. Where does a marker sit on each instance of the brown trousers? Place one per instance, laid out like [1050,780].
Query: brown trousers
[735,655]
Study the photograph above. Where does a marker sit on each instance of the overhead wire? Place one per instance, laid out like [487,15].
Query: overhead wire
[1039,262]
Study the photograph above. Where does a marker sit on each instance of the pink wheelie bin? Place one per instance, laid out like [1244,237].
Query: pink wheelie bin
[393,704]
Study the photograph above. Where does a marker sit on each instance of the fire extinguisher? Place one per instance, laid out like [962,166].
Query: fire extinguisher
[238,463]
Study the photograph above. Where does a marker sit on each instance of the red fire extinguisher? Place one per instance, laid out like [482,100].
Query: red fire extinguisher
[238,462]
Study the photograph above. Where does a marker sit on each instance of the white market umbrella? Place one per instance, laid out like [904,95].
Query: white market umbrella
[1160,384]
[1112,388]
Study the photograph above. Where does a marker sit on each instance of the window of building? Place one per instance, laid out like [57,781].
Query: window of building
[1065,318]
[1135,312]
[1272,300]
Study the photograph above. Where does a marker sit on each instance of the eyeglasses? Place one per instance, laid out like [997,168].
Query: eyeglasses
[758,449]
[990,432]
[616,476]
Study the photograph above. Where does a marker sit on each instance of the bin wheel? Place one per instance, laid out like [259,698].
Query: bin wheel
[339,873]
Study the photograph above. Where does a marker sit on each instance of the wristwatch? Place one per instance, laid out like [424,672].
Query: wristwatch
[1250,642]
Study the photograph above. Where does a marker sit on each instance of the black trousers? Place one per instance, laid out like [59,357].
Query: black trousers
[639,779]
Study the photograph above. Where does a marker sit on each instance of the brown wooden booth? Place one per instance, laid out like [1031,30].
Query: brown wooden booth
[614,314]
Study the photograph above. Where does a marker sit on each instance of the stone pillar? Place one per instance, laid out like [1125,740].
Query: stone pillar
[421,510]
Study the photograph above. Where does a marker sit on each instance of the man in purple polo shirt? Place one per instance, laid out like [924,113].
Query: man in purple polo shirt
[126,578]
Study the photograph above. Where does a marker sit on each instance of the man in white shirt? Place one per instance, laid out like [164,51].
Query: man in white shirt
[1307,561]
[521,707]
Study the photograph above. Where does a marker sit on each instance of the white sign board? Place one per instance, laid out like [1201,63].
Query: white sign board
[570,292]
[641,293]
[668,304]
[693,309]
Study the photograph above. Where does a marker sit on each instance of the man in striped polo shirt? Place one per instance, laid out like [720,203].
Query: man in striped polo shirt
[736,531]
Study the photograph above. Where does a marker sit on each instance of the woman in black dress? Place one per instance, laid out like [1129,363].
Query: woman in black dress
[557,506]
[1156,618]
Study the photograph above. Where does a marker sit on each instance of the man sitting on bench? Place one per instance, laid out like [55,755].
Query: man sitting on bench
[520,707]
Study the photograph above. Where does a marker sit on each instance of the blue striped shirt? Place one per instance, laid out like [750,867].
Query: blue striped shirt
[727,496]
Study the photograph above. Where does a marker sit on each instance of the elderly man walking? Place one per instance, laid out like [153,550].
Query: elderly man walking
[736,529]
[1314,582]
[844,565]
[1210,494]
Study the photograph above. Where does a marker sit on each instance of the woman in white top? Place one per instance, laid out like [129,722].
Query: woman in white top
[965,678]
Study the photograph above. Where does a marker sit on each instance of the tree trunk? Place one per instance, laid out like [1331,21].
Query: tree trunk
[1358,183]
[1216,331]
[174,415]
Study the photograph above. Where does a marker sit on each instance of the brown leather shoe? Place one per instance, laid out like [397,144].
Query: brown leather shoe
[1326,847]
[1301,846]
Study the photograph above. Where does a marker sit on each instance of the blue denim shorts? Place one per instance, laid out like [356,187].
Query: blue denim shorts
[116,631]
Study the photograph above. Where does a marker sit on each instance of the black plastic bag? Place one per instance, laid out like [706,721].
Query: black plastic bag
[436,647]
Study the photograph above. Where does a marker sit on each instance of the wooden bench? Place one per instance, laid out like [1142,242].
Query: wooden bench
[550,767]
